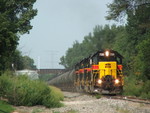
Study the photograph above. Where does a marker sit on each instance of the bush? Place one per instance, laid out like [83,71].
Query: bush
[132,88]
[146,90]
[5,84]
[56,96]
[56,91]
[23,91]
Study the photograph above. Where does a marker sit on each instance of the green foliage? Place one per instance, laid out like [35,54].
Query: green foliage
[144,58]
[132,87]
[118,9]
[22,62]
[53,100]
[5,107]
[5,84]
[98,96]
[146,90]
[28,63]
[55,91]
[23,91]
[15,16]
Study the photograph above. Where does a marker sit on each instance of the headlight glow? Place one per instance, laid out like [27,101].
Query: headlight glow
[116,81]
[107,53]
[99,81]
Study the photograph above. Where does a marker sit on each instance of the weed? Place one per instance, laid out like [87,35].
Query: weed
[37,110]
[121,110]
[98,96]
[56,112]
[72,111]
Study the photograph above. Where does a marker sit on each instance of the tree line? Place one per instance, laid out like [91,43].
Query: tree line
[15,16]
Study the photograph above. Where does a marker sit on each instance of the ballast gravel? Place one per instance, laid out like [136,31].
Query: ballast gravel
[84,103]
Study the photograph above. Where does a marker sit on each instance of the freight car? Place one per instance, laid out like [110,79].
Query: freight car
[100,72]
[65,81]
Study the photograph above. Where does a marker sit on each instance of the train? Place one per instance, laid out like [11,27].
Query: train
[100,72]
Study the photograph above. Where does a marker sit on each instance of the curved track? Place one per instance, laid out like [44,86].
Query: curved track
[128,98]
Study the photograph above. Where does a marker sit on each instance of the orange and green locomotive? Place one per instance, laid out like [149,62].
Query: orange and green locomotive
[100,72]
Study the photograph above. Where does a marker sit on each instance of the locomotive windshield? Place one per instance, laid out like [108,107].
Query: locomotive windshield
[109,56]
[103,56]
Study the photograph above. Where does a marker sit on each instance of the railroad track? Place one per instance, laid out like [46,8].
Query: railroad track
[119,97]
[132,99]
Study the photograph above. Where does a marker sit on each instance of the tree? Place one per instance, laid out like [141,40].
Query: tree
[28,63]
[121,8]
[17,61]
[22,62]
[15,16]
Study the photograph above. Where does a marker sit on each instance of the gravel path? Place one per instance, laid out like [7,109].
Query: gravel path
[83,103]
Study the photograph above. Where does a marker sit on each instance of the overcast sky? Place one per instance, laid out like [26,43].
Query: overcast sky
[57,25]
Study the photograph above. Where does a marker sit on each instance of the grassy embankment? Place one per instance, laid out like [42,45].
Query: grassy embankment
[21,91]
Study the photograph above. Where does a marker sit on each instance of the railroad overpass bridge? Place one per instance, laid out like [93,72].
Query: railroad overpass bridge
[50,71]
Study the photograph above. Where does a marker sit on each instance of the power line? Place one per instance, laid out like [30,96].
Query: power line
[53,54]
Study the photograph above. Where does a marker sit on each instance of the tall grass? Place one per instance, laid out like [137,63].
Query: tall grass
[21,90]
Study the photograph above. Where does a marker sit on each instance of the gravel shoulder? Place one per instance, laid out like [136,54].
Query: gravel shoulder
[84,103]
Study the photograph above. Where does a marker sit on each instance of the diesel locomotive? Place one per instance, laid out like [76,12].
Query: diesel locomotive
[101,72]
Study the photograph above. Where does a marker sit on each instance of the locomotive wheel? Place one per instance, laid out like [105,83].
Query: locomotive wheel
[86,88]
[81,88]
[91,89]
[77,88]
[121,89]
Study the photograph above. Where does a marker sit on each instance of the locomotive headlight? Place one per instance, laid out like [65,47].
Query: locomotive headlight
[99,81]
[117,81]
[107,53]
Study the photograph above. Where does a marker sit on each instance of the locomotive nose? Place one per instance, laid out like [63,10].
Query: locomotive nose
[108,78]
[107,82]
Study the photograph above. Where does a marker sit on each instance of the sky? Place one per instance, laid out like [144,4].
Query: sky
[58,24]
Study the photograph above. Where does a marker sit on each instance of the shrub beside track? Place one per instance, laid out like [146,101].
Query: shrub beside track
[22,91]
